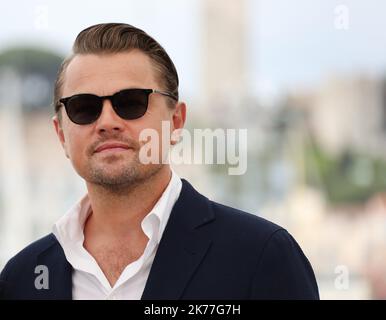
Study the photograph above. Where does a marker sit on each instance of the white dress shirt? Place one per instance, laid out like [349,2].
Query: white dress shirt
[88,280]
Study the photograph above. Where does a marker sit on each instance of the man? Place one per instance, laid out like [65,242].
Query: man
[141,232]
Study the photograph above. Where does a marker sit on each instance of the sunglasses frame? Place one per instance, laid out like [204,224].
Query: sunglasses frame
[64,101]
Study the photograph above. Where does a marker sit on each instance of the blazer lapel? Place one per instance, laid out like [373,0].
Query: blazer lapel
[183,246]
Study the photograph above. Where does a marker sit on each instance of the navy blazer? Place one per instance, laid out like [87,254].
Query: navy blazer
[207,251]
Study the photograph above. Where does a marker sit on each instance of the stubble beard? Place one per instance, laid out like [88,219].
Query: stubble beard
[120,180]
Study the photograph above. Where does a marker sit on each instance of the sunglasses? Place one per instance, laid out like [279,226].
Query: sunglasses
[129,104]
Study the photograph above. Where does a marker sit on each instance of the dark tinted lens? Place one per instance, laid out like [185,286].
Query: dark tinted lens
[84,108]
[131,104]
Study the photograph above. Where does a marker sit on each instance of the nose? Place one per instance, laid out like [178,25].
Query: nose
[108,121]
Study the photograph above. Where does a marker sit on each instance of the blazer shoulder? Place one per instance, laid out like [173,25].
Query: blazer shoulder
[239,219]
[29,254]
[280,268]
[18,278]
[283,271]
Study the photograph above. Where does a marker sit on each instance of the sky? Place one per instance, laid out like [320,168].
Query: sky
[290,44]
[298,44]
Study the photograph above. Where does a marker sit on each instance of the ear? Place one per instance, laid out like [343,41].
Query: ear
[178,120]
[59,132]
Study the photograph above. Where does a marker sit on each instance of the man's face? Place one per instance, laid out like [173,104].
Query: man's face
[105,75]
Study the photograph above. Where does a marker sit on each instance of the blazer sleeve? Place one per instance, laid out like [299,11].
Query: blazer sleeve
[283,271]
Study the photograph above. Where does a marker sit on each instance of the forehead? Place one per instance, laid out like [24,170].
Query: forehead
[105,74]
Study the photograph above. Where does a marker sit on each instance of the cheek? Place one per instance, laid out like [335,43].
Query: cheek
[156,141]
[75,147]
[144,124]
[157,125]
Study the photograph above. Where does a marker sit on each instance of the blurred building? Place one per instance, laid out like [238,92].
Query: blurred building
[347,112]
[335,238]
[37,183]
[224,60]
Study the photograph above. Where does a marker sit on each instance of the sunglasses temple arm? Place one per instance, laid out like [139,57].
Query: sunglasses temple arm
[165,94]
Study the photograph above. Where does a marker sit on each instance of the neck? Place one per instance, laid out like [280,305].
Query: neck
[119,214]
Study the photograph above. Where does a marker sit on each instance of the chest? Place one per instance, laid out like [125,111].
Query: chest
[113,258]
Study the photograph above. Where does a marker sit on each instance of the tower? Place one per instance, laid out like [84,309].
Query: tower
[223,58]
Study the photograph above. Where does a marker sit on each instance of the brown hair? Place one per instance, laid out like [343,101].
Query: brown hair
[116,38]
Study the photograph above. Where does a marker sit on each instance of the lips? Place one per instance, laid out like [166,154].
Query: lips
[111,145]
